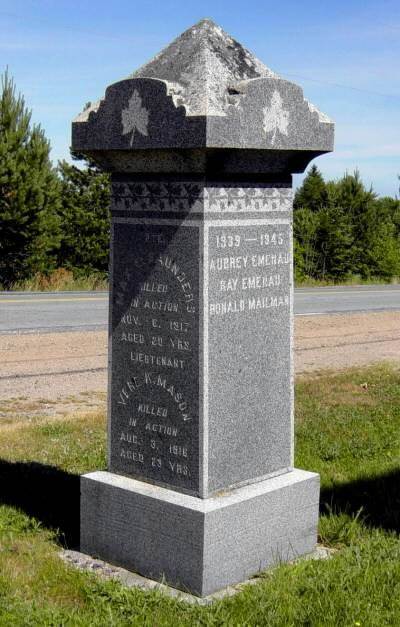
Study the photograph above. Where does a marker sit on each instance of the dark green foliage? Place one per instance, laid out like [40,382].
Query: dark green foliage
[341,229]
[29,192]
[335,242]
[60,218]
[305,227]
[382,238]
[313,193]
[85,221]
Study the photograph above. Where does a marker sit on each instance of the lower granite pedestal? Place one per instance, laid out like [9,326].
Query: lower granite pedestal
[199,545]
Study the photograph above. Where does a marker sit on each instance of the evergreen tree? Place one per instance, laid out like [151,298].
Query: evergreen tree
[334,244]
[29,192]
[389,211]
[312,193]
[85,219]
[310,199]
[349,192]
[350,196]
[306,255]
[381,239]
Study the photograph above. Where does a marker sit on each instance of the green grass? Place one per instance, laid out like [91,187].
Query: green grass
[61,280]
[354,280]
[348,429]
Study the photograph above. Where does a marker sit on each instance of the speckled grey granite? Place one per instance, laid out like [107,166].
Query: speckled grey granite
[198,545]
[200,197]
[203,91]
[201,143]
[200,333]
[248,352]
[202,66]
[154,391]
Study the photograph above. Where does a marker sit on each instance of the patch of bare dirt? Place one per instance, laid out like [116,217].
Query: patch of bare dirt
[52,373]
[346,340]
[59,373]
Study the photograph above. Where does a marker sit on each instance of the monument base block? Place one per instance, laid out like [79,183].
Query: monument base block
[199,545]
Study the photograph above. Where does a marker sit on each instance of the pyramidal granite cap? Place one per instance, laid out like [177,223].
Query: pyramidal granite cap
[203,91]
[202,68]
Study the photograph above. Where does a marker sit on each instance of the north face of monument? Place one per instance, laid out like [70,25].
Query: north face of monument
[201,143]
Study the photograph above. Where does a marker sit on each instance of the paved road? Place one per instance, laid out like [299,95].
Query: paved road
[43,311]
[62,311]
[322,300]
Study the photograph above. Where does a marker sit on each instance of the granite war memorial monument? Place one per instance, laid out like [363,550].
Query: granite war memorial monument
[201,144]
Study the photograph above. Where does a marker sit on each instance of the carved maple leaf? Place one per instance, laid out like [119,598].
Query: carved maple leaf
[135,117]
[276,118]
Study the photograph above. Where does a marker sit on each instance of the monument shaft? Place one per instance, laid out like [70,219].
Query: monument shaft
[201,144]
[200,388]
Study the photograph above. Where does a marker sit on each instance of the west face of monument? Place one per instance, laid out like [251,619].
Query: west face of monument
[155,404]
[201,143]
[200,393]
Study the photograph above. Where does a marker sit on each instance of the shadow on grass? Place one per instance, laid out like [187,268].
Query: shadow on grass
[46,493]
[377,497]
[52,496]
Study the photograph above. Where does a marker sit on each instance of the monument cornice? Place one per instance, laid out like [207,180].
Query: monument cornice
[205,91]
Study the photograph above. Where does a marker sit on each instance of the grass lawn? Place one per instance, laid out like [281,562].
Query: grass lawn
[347,429]
[62,280]
[353,280]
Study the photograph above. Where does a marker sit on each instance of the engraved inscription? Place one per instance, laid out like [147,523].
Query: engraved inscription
[154,420]
[249,269]
[248,328]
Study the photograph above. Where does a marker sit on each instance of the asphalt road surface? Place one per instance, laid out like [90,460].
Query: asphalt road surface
[88,311]
[325,300]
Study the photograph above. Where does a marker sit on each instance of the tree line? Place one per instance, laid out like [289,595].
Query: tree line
[342,229]
[50,217]
[58,217]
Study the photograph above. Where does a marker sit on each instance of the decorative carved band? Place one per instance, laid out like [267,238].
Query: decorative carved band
[185,197]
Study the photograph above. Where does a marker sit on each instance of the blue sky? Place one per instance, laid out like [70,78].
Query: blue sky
[345,55]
